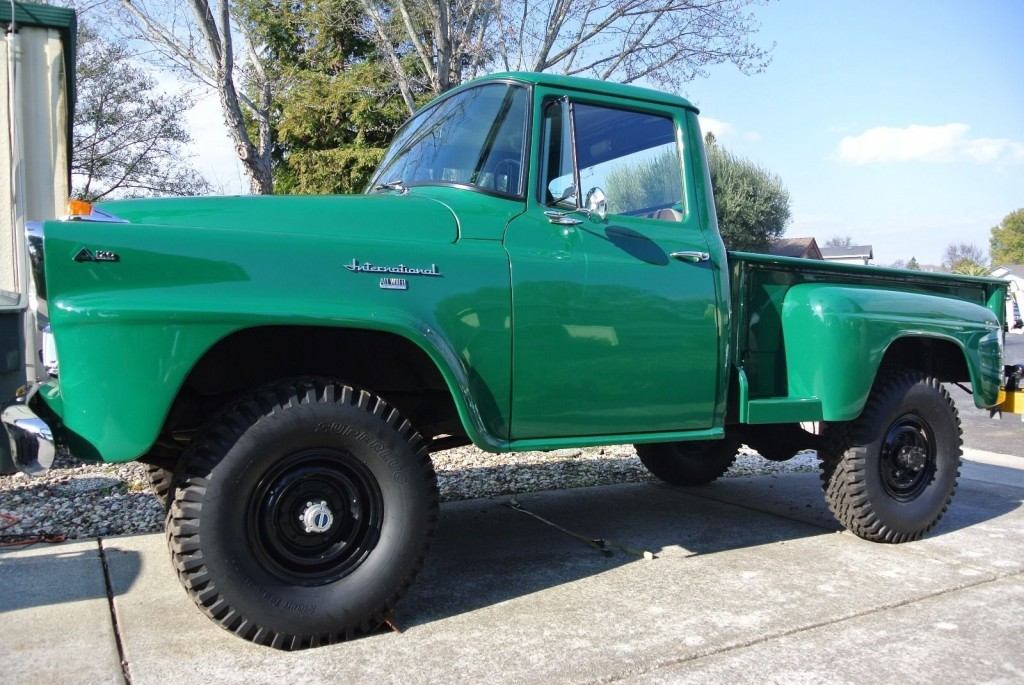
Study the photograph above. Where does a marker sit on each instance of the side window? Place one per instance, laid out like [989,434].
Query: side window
[633,158]
[556,161]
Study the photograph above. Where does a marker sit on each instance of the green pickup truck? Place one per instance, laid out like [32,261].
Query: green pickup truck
[536,265]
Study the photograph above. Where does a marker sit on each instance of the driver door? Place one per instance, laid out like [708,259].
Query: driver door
[612,334]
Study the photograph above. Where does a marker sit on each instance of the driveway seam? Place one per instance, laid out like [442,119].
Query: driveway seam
[108,583]
[797,631]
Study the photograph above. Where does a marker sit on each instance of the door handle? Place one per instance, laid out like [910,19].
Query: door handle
[562,218]
[690,256]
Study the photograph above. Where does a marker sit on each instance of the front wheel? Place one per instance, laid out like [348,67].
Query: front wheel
[890,475]
[303,515]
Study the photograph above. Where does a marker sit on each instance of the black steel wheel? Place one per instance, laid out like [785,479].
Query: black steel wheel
[315,516]
[907,457]
[890,475]
[689,463]
[303,514]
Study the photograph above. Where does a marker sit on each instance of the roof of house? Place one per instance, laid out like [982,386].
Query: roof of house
[795,247]
[1009,269]
[862,251]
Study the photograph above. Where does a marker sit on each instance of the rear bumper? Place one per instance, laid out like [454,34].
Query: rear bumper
[1010,402]
[29,437]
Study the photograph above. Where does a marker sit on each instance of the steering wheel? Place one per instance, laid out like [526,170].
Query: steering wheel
[511,168]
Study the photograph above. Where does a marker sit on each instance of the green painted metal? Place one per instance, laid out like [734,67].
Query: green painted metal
[603,318]
[193,271]
[836,336]
[782,410]
[547,336]
[547,444]
[575,85]
[777,340]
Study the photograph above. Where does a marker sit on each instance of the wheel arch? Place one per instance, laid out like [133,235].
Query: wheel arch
[419,375]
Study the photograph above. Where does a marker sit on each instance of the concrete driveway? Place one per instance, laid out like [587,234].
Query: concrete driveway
[750,581]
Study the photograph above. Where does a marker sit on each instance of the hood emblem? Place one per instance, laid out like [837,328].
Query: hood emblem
[87,255]
[402,270]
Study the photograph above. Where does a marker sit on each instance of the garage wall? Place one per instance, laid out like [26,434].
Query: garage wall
[41,110]
[42,116]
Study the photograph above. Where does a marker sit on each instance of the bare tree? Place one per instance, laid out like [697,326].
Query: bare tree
[128,137]
[839,241]
[965,258]
[666,42]
[447,38]
[200,44]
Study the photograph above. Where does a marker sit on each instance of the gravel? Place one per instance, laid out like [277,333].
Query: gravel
[77,499]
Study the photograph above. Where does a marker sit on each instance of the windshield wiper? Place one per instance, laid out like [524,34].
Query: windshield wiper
[396,185]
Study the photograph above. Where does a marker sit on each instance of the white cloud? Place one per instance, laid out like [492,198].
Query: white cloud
[716,126]
[723,130]
[916,143]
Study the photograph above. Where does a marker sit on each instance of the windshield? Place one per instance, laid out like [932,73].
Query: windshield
[472,138]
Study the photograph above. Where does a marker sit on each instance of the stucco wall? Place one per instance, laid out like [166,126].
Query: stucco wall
[42,112]
[39,106]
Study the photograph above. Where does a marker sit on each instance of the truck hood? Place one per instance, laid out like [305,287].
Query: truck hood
[388,215]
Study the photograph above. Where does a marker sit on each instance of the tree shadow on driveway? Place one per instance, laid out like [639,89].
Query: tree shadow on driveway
[44,576]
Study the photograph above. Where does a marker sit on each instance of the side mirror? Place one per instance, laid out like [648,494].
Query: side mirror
[597,204]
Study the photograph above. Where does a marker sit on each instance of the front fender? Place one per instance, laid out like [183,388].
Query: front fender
[129,332]
[835,339]
[117,416]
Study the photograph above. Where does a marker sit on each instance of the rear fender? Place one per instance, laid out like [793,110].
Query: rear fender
[836,338]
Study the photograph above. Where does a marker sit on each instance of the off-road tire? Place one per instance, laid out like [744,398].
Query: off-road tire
[780,452]
[858,467]
[228,525]
[161,481]
[777,442]
[688,463]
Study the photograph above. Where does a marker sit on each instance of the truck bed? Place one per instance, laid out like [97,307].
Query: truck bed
[762,384]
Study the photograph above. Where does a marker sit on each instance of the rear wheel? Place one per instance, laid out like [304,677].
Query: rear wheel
[777,442]
[688,463]
[303,515]
[890,475]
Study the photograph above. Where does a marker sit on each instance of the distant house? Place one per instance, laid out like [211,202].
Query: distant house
[854,254]
[1014,273]
[1010,272]
[805,248]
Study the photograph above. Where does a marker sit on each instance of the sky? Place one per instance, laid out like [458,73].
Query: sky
[899,124]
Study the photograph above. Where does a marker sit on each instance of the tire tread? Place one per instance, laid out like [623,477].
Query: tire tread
[844,460]
[198,464]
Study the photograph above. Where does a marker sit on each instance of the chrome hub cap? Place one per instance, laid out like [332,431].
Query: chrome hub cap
[317,517]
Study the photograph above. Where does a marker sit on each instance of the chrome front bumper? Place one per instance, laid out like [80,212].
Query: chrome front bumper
[29,437]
